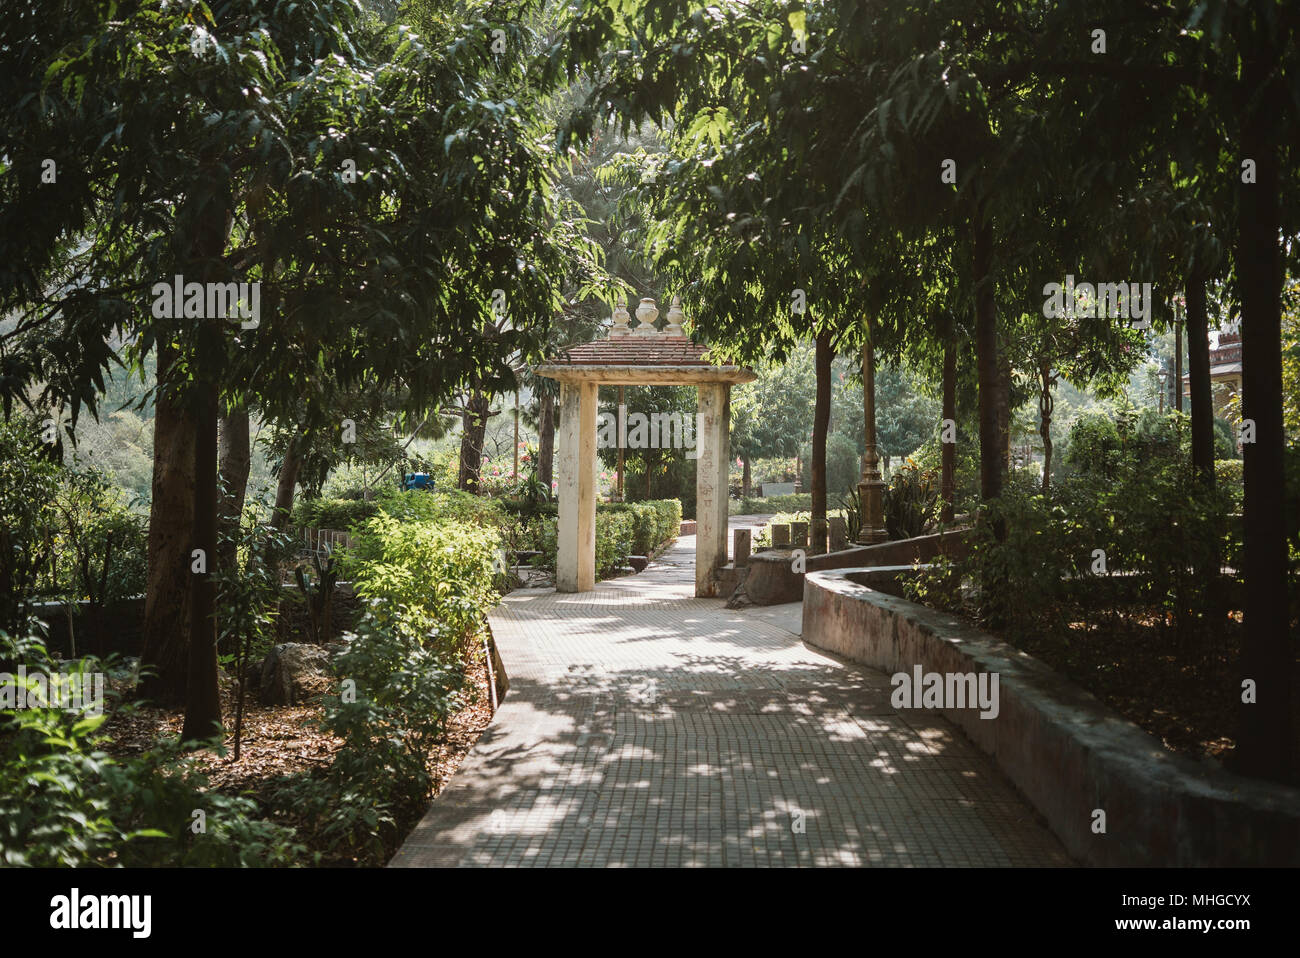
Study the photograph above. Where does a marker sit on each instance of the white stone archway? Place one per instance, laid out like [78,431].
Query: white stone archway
[640,356]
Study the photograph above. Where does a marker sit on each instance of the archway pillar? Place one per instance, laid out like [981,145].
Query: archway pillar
[713,446]
[575,561]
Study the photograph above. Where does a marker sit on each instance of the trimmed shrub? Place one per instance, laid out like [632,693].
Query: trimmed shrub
[427,573]
[622,529]
[655,522]
[798,502]
[332,513]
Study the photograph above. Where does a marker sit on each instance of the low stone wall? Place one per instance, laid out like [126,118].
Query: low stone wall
[772,580]
[1063,748]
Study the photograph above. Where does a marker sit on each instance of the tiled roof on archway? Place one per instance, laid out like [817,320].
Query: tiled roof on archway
[643,355]
[635,351]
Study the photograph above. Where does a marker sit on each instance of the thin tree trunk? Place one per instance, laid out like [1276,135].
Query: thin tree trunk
[287,481]
[1198,369]
[1004,410]
[1202,411]
[1045,405]
[171,526]
[988,368]
[203,700]
[475,419]
[821,426]
[1266,743]
[948,450]
[234,461]
[546,439]
[746,480]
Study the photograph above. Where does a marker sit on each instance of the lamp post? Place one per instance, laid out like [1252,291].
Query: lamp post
[1162,376]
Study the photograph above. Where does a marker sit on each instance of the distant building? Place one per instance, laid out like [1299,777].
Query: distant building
[1225,372]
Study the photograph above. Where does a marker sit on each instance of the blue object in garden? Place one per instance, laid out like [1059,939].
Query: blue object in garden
[417,480]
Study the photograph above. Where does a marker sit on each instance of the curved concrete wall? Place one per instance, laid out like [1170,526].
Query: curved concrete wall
[772,580]
[1064,749]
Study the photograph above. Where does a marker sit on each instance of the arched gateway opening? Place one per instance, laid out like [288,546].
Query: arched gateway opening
[639,356]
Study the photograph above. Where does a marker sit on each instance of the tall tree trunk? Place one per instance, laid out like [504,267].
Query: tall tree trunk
[988,368]
[203,701]
[287,481]
[546,439]
[171,527]
[746,479]
[821,426]
[1004,410]
[1266,742]
[234,461]
[1198,370]
[475,419]
[202,696]
[1045,405]
[948,450]
[1202,411]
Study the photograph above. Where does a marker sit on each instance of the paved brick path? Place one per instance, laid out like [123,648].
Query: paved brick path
[646,727]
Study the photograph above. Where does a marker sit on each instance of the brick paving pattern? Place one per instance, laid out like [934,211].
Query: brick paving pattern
[646,727]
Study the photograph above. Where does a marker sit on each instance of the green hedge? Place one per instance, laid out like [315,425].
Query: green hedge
[623,529]
[427,566]
[798,502]
[655,522]
[332,513]
[1228,476]
[1228,470]
[429,561]
[417,505]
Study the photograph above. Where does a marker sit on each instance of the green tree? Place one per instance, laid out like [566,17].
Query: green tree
[380,184]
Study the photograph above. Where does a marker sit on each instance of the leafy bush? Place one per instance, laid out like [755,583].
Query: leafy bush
[28,485]
[911,501]
[427,573]
[405,691]
[622,529]
[332,513]
[655,522]
[452,505]
[1162,538]
[64,533]
[1094,445]
[800,501]
[1229,471]
[1228,475]
[100,545]
[966,467]
[66,802]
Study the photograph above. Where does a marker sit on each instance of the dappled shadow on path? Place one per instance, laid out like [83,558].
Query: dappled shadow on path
[644,727]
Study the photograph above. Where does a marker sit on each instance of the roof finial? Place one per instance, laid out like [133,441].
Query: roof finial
[675,316]
[647,313]
[621,317]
